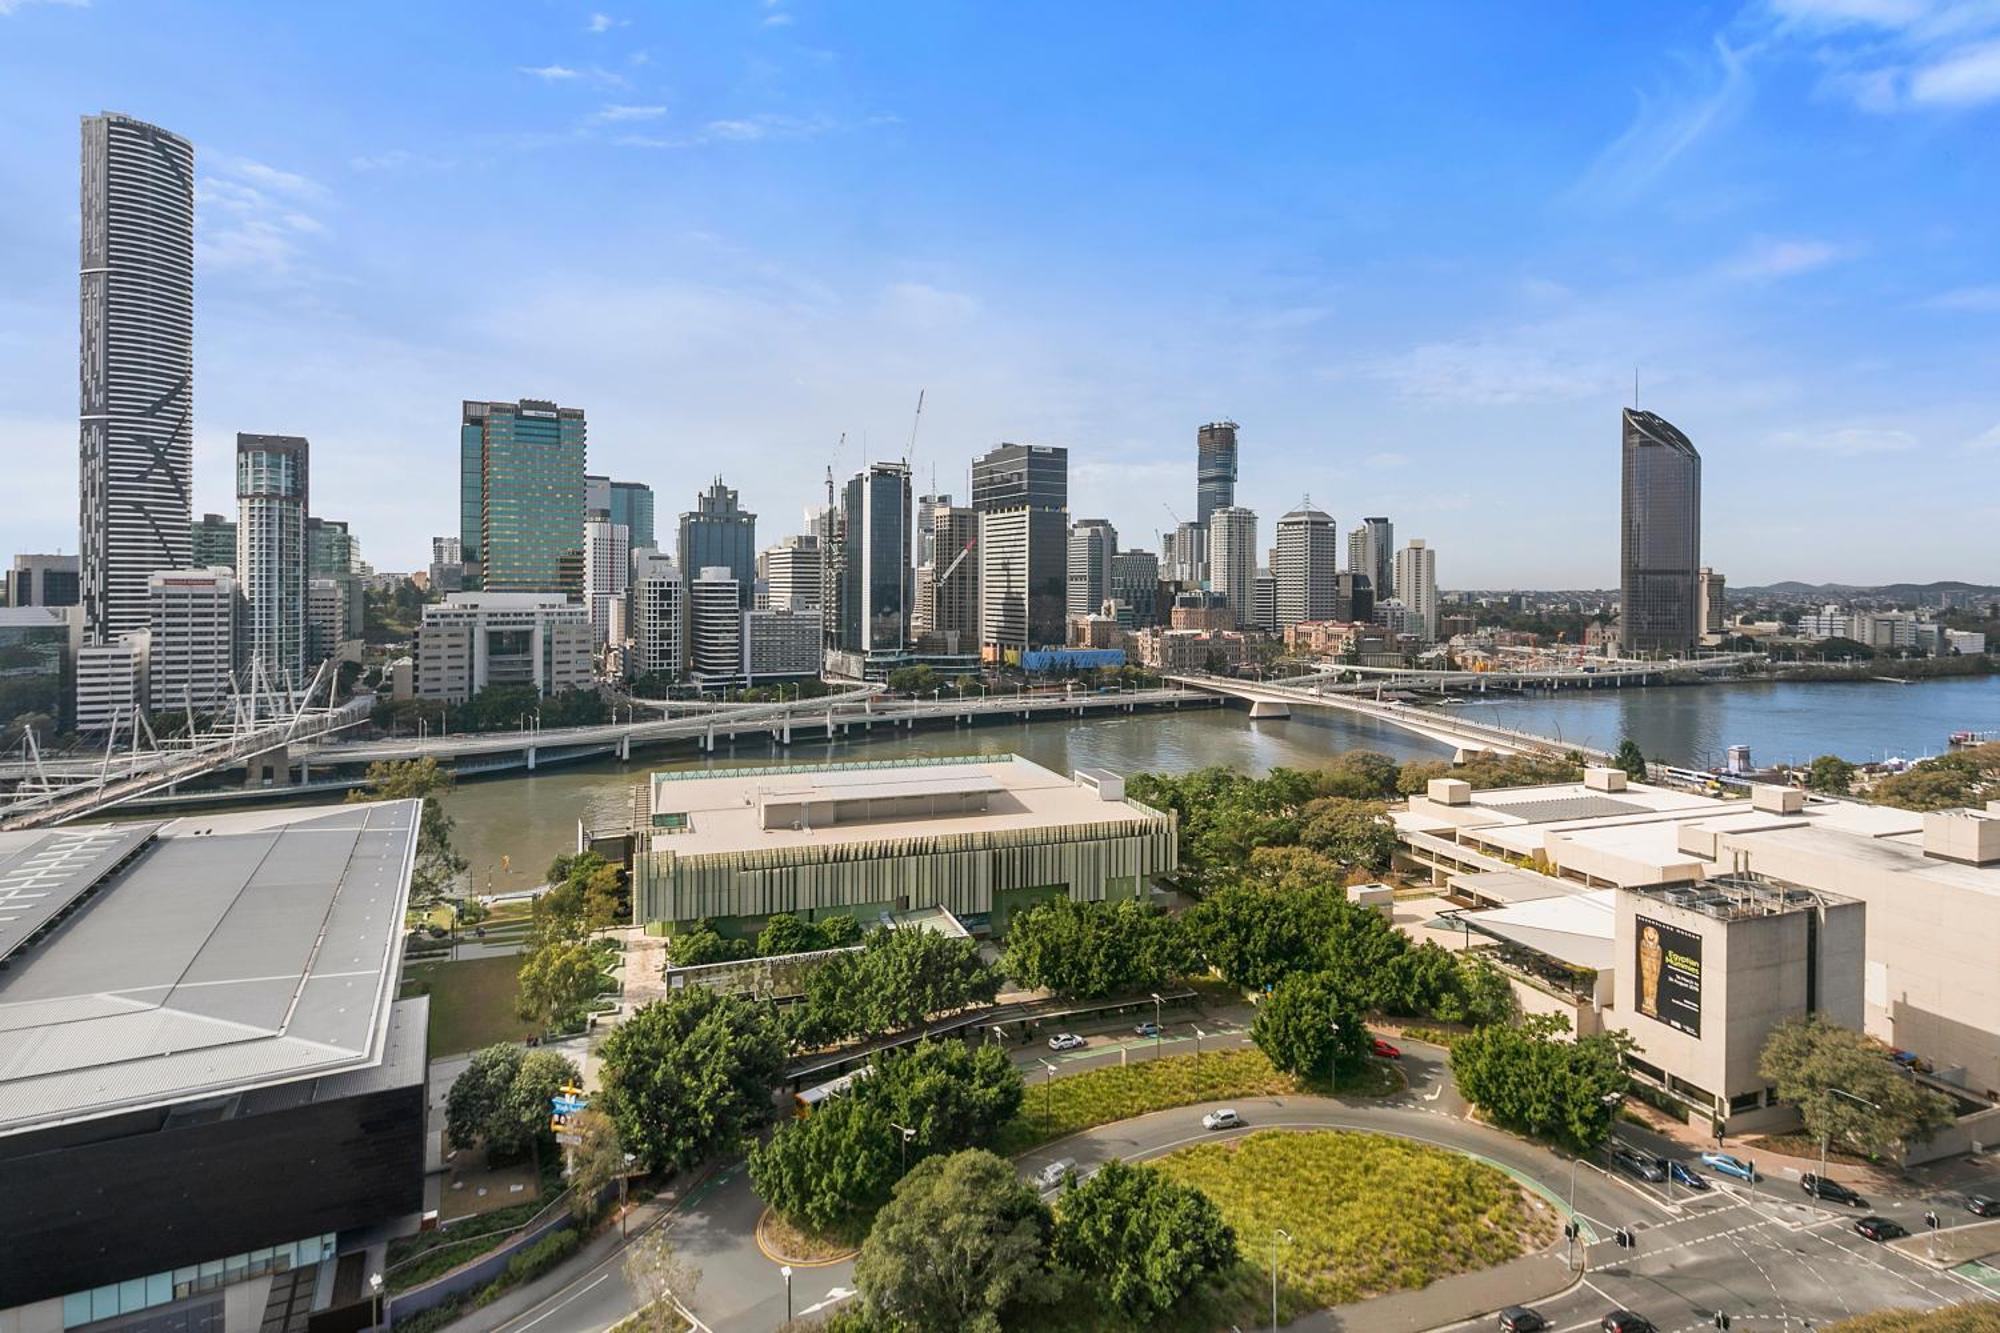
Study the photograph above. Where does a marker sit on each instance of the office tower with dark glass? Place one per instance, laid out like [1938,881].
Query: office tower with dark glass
[1093,543]
[719,533]
[1659,555]
[271,495]
[213,542]
[1021,493]
[136,427]
[1135,586]
[627,503]
[876,580]
[1371,550]
[1215,469]
[521,496]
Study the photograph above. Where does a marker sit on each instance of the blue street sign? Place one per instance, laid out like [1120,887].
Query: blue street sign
[565,1105]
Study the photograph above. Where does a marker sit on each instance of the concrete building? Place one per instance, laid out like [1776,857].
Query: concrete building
[1232,559]
[521,496]
[607,572]
[1189,562]
[1307,566]
[1264,602]
[1215,469]
[657,617]
[111,683]
[194,635]
[1093,545]
[719,532]
[1711,607]
[1201,611]
[1416,587]
[876,577]
[1659,555]
[927,507]
[1135,585]
[212,539]
[333,553]
[1021,494]
[982,837]
[792,570]
[1829,622]
[715,620]
[1371,550]
[272,475]
[447,569]
[43,580]
[473,640]
[780,645]
[136,370]
[211,1101]
[328,602]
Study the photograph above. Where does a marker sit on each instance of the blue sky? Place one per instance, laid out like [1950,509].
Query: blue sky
[1416,250]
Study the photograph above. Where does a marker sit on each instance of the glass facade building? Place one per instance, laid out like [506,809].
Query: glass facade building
[717,533]
[1014,475]
[271,495]
[1021,494]
[521,496]
[1215,469]
[1659,557]
[876,579]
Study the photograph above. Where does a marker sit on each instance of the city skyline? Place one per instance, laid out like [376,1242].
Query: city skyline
[1829,349]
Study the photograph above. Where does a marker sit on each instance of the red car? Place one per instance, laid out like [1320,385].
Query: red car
[1376,1046]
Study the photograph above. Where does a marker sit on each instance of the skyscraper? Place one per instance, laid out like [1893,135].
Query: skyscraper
[876,592]
[625,502]
[718,532]
[1215,469]
[1307,566]
[213,542]
[1021,493]
[1659,552]
[136,427]
[1092,545]
[657,617]
[521,496]
[1417,589]
[607,570]
[926,527]
[715,618]
[1135,583]
[191,645]
[331,553]
[1371,550]
[792,569]
[954,593]
[1232,559]
[271,498]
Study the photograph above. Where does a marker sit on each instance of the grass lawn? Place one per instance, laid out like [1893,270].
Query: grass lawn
[1982,1317]
[1368,1214]
[1115,1092]
[472,1002]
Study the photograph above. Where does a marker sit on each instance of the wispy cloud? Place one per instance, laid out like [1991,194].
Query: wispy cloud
[1491,374]
[254,217]
[614,115]
[548,73]
[9,8]
[1969,77]
[267,177]
[1847,441]
[1900,55]
[1968,298]
[778,20]
[1989,440]
[397,159]
[1767,259]
[1666,127]
[603,23]
[747,129]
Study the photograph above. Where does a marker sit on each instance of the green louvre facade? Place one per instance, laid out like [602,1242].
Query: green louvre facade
[521,496]
[981,837]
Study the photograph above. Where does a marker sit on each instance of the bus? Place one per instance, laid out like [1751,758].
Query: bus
[811,1098]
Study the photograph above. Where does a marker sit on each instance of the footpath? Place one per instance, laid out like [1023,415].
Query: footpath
[1450,1300]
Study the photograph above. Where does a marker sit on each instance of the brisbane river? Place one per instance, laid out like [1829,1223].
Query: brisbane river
[509,827]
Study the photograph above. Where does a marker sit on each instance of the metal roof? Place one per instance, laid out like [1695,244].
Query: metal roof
[43,873]
[230,952]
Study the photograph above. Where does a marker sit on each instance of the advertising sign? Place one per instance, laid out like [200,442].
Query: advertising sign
[1668,968]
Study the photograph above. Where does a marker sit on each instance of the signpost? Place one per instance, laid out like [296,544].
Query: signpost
[568,1103]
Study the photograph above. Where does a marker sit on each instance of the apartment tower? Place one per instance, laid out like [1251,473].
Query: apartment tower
[1659,554]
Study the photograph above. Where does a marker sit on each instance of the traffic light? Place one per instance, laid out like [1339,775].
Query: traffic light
[1721,1320]
[1930,1220]
[1626,1240]
[1570,1230]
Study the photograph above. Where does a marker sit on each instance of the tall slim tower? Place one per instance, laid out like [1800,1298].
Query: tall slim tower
[1417,587]
[521,495]
[1307,566]
[1232,559]
[1215,469]
[877,584]
[136,426]
[1021,493]
[271,496]
[1371,551]
[718,531]
[1093,543]
[1659,554]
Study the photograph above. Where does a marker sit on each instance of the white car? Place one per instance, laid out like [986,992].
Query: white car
[1065,1041]
[1226,1118]
[1052,1175]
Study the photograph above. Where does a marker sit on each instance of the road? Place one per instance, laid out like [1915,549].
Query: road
[1768,1254]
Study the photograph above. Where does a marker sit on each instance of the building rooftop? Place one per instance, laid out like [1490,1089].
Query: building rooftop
[1578,929]
[204,956]
[704,812]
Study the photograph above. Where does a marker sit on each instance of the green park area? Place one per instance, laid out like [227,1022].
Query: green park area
[1367,1214]
[472,1002]
[1980,1317]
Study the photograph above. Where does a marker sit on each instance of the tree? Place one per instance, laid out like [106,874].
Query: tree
[953,1095]
[476,1094]
[699,944]
[1629,758]
[1360,775]
[1308,1027]
[961,1241]
[437,864]
[1847,1089]
[1256,936]
[1088,950]
[502,1098]
[1531,1077]
[665,1282]
[832,1168]
[557,983]
[1141,1239]
[595,1164]
[689,1074]
[784,933]
[1830,774]
[1484,995]
[1357,834]
[898,978]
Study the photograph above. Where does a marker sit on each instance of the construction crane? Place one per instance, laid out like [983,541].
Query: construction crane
[952,568]
[916,421]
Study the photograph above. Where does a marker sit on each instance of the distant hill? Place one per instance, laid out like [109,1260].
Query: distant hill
[1898,592]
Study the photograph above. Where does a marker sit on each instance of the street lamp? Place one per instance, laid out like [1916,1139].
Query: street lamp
[1049,1090]
[1198,1035]
[624,1176]
[787,1271]
[1158,1032]
[907,1134]
[1333,1060]
[1277,1234]
[1859,1101]
[375,1285]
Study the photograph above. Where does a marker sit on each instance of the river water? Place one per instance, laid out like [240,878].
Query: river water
[509,828]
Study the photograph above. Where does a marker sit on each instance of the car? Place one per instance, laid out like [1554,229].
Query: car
[1724,1165]
[1830,1191]
[1625,1321]
[1982,1205]
[1376,1046]
[1683,1174]
[1147,1030]
[1635,1163]
[1053,1174]
[1522,1319]
[1065,1041]
[1226,1118]
[1881,1228]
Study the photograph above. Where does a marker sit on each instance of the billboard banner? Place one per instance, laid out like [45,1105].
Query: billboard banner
[1669,975]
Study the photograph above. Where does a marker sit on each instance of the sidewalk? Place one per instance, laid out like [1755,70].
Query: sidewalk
[1774,1164]
[1451,1300]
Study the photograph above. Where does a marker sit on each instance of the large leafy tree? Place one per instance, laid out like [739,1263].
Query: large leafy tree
[954,1096]
[1629,757]
[897,980]
[1257,936]
[1141,1239]
[1356,834]
[687,1075]
[557,982]
[1088,950]
[1846,1087]
[1309,1026]
[438,866]
[699,943]
[831,1169]
[1360,775]
[962,1241]
[502,1097]
[1830,774]
[1530,1076]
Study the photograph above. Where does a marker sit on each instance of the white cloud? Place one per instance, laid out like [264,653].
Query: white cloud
[611,115]
[397,159]
[1664,129]
[1847,13]
[748,129]
[1848,441]
[8,8]
[1769,258]
[1491,374]
[1968,298]
[1969,77]
[266,177]
[1989,440]
[548,73]
[602,23]
[253,217]
[777,21]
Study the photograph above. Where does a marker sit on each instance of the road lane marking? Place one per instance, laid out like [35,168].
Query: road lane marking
[583,1291]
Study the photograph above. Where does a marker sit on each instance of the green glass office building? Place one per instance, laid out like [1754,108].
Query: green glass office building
[521,496]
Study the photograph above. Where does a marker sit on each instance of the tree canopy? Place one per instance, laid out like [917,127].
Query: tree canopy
[1847,1089]
[438,865]
[687,1075]
[1311,1028]
[1141,1239]
[1830,774]
[1531,1077]
[897,979]
[502,1097]
[1629,758]
[1088,950]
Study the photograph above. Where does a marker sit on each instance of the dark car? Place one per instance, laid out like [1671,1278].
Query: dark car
[1830,1191]
[1521,1319]
[1624,1321]
[1881,1228]
[1982,1205]
[1635,1163]
[1683,1174]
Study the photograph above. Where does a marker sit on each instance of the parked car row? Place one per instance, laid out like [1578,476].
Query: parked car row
[1527,1319]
